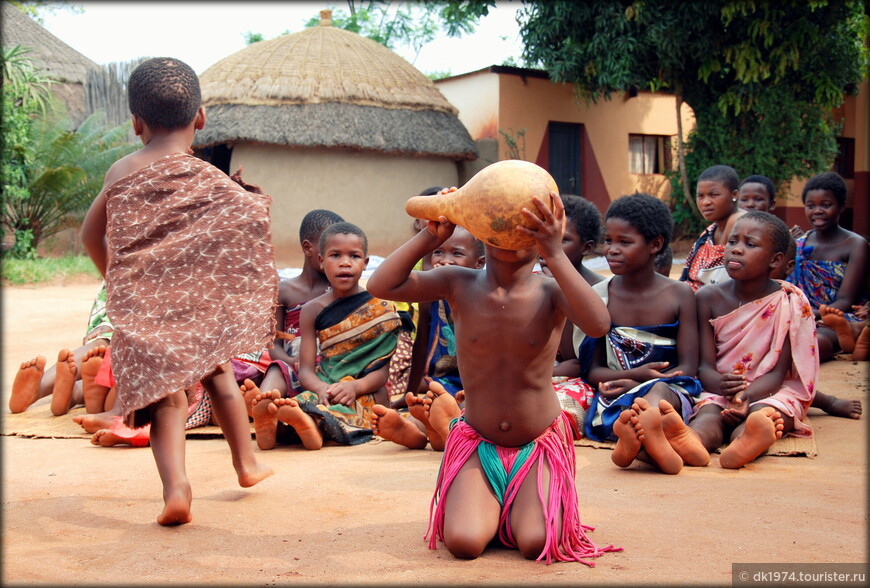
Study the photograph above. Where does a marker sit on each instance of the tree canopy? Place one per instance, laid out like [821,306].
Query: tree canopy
[760,76]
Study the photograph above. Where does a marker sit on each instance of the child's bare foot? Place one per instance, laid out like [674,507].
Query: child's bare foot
[176,506]
[840,407]
[862,345]
[835,319]
[26,384]
[417,408]
[390,425]
[249,392]
[460,396]
[64,379]
[628,443]
[684,440]
[107,438]
[94,394]
[265,422]
[259,473]
[94,422]
[441,408]
[652,437]
[289,413]
[763,427]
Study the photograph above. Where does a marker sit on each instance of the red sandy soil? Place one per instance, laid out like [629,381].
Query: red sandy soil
[74,513]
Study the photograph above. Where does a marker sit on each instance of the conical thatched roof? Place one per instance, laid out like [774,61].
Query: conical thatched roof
[61,61]
[327,87]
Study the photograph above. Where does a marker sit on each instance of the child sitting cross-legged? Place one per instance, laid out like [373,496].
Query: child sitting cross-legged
[644,365]
[357,334]
[759,355]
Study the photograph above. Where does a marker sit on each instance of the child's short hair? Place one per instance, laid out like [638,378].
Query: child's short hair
[725,174]
[777,229]
[764,181]
[477,247]
[344,228]
[164,93]
[431,191]
[314,222]
[827,181]
[664,258]
[649,215]
[584,215]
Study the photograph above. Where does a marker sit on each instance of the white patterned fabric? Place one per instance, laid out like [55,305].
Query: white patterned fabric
[191,276]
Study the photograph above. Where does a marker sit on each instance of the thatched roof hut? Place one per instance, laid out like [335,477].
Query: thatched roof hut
[64,64]
[316,115]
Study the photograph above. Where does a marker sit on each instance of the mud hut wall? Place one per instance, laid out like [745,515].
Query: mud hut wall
[367,189]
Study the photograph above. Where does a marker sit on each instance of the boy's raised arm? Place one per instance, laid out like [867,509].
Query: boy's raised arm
[578,301]
[395,279]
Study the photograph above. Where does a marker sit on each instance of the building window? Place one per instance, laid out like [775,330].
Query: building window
[844,163]
[649,154]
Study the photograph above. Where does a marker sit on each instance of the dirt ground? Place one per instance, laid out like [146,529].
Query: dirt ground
[74,513]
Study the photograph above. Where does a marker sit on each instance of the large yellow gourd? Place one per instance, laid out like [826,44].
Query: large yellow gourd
[490,204]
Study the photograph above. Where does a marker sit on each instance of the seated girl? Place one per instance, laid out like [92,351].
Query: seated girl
[832,264]
[643,366]
[717,201]
[759,362]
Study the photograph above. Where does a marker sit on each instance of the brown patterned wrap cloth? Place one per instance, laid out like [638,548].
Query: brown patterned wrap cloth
[191,276]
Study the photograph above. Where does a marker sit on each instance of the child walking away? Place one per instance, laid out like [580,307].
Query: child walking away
[717,200]
[645,364]
[759,356]
[357,335]
[187,257]
[508,467]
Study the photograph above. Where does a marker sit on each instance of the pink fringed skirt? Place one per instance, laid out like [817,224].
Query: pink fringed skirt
[506,469]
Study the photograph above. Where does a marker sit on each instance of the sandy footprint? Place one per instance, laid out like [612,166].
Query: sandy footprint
[25,388]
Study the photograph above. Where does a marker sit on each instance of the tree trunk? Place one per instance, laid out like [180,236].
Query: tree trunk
[681,157]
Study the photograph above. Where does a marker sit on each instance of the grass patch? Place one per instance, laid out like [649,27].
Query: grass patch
[17,272]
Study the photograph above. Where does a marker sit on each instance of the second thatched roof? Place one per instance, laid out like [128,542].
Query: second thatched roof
[327,87]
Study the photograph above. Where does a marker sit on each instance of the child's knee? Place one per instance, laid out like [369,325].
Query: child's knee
[463,544]
[531,543]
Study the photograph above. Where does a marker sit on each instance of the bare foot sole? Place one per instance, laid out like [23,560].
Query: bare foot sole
[94,394]
[249,391]
[684,440]
[628,443]
[64,379]
[652,437]
[417,408]
[107,438]
[390,425]
[94,422]
[763,427]
[835,319]
[26,385]
[292,415]
[265,421]
[176,507]
[441,408]
[862,345]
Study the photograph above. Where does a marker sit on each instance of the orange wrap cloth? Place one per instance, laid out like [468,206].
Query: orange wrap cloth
[191,276]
